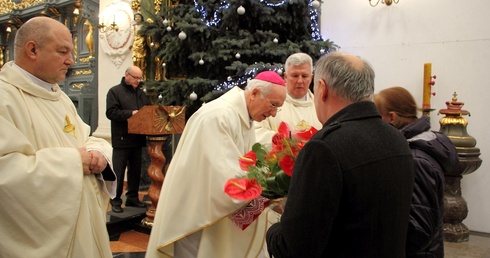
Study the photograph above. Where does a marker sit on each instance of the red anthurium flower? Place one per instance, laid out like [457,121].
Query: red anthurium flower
[247,160]
[305,135]
[287,165]
[277,142]
[243,188]
[283,130]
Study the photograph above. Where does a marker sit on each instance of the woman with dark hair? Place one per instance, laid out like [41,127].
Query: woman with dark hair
[433,154]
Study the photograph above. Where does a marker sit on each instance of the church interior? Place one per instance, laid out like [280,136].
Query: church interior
[437,49]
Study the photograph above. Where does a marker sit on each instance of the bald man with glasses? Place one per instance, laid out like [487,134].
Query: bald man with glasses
[123,101]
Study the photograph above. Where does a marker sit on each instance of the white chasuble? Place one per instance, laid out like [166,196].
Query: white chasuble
[49,208]
[192,196]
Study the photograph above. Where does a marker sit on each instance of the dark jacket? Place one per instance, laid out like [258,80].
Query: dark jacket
[122,99]
[350,191]
[433,153]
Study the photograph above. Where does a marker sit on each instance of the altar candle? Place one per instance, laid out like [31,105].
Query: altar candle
[427,86]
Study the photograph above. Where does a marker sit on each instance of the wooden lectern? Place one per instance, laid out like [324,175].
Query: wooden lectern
[157,122]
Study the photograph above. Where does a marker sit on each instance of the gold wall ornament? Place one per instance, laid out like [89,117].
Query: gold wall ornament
[135,5]
[80,72]
[78,86]
[85,59]
[7,6]
[75,49]
[158,6]
[1,56]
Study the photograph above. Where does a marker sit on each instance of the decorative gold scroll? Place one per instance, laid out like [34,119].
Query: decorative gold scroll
[7,6]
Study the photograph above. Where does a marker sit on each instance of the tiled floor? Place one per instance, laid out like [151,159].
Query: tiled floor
[130,241]
[133,244]
[477,247]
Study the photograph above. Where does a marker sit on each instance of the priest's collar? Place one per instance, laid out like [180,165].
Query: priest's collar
[305,98]
[48,86]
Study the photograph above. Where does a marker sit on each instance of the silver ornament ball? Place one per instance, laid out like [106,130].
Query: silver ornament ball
[182,35]
[240,10]
[193,96]
[315,4]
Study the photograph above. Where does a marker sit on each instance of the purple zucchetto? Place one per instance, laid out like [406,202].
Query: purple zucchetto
[270,76]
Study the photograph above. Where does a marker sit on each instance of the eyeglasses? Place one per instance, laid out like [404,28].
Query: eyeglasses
[274,107]
[137,78]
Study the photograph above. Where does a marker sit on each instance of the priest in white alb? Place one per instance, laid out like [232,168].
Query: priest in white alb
[55,179]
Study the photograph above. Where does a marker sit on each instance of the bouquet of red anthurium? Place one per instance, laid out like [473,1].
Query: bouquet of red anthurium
[268,173]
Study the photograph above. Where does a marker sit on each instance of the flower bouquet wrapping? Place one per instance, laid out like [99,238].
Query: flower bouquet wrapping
[268,173]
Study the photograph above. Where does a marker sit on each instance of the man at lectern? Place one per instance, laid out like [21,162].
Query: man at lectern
[123,101]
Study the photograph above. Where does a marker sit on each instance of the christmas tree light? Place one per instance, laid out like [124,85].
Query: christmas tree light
[221,43]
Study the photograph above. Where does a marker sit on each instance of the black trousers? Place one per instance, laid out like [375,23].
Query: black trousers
[130,158]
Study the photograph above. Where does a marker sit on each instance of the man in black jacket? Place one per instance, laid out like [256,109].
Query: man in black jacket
[352,182]
[123,101]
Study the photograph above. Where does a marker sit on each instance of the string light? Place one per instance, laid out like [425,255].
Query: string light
[224,5]
[242,81]
[214,20]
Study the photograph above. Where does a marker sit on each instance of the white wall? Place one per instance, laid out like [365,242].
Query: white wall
[452,35]
[110,74]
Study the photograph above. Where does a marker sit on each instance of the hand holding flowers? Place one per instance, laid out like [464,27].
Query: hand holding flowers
[268,173]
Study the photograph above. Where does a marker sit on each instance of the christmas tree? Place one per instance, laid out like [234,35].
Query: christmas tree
[200,49]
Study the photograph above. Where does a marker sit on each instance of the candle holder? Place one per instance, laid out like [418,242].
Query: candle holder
[104,28]
[455,207]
